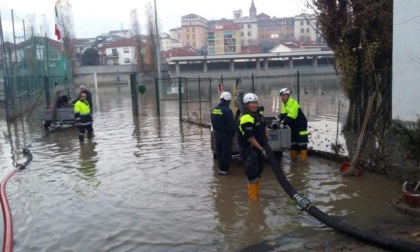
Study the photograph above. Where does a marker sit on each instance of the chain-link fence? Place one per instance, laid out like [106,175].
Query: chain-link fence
[318,93]
[31,72]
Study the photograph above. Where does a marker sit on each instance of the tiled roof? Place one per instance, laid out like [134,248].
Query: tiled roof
[178,52]
[124,42]
[225,27]
[250,49]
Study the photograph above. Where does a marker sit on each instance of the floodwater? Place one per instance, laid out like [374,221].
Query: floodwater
[150,184]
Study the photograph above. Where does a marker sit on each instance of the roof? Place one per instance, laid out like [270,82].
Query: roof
[250,49]
[263,15]
[124,42]
[40,41]
[179,52]
[226,27]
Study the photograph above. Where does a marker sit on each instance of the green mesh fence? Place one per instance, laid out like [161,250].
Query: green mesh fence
[29,70]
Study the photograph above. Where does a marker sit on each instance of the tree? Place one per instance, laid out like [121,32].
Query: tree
[360,34]
[90,57]
[151,34]
[65,23]
[138,47]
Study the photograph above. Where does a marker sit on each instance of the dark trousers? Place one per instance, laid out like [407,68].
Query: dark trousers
[299,142]
[253,163]
[224,149]
[83,128]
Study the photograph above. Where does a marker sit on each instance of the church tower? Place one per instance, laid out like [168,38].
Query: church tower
[252,10]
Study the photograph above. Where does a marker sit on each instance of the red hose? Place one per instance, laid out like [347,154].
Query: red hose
[7,215]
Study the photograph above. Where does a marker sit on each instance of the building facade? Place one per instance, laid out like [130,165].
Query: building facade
[224,39]
[305,27]
[275,30]
[194,31]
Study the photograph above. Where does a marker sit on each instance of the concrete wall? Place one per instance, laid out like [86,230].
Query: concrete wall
[406,61]
[106,75]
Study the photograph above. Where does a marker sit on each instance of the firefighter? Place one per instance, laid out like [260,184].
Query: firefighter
[224,130]
[83,116]
[292,115]
[252,137]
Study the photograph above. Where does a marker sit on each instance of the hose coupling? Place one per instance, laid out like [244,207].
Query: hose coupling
[303,203]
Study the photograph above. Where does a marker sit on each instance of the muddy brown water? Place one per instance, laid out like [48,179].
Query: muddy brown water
[150,184]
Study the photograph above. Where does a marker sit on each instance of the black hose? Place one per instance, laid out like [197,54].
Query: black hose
[305,204]
[28,156]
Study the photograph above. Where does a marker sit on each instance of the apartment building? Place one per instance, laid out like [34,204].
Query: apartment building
[224,39]
[305,27]
[194,31]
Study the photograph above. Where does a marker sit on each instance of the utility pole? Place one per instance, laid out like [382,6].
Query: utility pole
[157,45]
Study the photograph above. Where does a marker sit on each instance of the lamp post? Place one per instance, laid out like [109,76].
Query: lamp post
[157,45]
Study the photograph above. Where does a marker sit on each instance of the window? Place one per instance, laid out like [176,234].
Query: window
[307,22]
[307,30]
[126,60]
[126,50]
[302,30]
[193,36]
[242,34]
[301,22]
[249,34]
[249,26]
[114,52]
[193,29]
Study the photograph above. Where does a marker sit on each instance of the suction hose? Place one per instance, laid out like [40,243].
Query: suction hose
[5,207]
[305,204]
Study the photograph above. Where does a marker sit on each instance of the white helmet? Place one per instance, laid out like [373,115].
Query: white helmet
[284,91]
[226,96]
[250,97]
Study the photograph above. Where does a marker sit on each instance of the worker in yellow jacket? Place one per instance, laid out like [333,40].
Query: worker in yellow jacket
[83,116]
[292,115]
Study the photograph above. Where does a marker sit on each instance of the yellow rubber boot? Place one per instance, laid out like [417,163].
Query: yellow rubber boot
[253,191]
[293,155]
[303,154]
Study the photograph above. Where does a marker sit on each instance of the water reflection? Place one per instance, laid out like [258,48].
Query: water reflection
[87,162]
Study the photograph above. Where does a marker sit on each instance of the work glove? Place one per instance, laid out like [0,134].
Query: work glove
[263,153]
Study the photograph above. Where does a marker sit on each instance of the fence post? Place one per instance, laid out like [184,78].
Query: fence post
[7,96]
[157,97]
[252,82]
[180,97]
[210,93]
[199,97]
[298,87]
[134,94]
[47,91]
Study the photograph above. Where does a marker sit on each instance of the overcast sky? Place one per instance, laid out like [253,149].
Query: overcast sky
[93,17]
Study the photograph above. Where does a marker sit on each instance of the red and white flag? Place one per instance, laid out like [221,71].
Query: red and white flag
[57,28]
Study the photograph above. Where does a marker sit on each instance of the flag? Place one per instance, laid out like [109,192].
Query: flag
[57,28]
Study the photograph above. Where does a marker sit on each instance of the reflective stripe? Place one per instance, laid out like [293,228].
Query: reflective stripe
[303,133]
[217,112]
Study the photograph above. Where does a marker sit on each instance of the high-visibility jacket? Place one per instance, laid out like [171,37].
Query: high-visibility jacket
[251,125]
[82,112]
[291,114]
